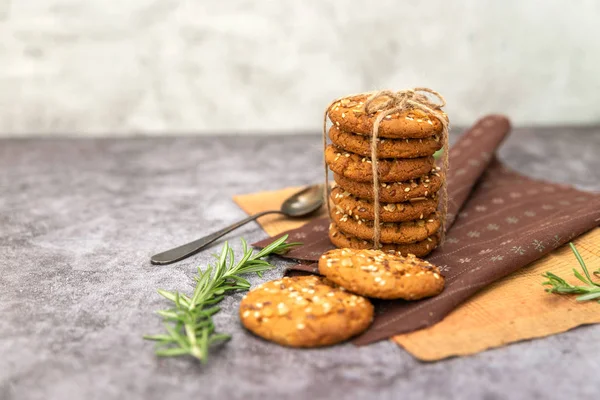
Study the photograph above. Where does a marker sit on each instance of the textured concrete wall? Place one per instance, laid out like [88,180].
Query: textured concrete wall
[154,66]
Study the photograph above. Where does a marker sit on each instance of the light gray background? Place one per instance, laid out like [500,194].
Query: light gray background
[163,66]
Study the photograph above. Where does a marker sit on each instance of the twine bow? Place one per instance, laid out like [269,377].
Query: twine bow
[386,102]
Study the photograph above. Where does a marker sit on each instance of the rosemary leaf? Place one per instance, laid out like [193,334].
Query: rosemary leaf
[189,327]
[590,290]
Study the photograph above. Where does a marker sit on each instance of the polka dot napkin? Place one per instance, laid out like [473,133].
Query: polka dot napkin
[499,222]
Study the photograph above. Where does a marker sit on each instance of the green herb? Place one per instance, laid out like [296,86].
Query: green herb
[189,325]
[591,290]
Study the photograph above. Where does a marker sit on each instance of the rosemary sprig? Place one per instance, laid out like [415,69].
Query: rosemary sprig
[189,325]
[591,290]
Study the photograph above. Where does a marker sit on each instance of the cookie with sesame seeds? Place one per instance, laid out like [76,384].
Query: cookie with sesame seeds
[376,274]
[304,311]
[419,249]
[390,232]
[358,168]
[347,203]
[394,192]
[386,148]
[348,114]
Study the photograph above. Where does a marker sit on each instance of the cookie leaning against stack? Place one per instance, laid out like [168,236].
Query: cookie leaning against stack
[373,273]
[408,178]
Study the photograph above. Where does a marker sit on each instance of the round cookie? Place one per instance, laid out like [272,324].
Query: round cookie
[391,232]
[358,168]
[349,204]
[386,148]
[395,192]
[376,274]
[348,114]
[419,249]
[304,311]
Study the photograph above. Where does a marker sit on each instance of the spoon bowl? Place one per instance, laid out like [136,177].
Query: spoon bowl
[304,202]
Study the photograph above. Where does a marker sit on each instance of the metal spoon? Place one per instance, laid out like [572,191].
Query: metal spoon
[300,204]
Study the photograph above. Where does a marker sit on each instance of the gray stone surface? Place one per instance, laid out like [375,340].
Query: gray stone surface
[79,220]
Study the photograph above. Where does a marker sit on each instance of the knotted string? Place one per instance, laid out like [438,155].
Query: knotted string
[395,102]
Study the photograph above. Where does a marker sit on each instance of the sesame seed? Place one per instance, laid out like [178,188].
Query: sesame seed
[407,189]
[300,326]
[436,276]
[246,313]
[343,115]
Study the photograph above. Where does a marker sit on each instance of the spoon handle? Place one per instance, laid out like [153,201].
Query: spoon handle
[191,248]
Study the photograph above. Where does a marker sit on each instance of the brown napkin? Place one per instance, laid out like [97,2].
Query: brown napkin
[499,221]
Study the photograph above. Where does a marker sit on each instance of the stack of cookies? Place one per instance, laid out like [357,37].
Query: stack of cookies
[408,178]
